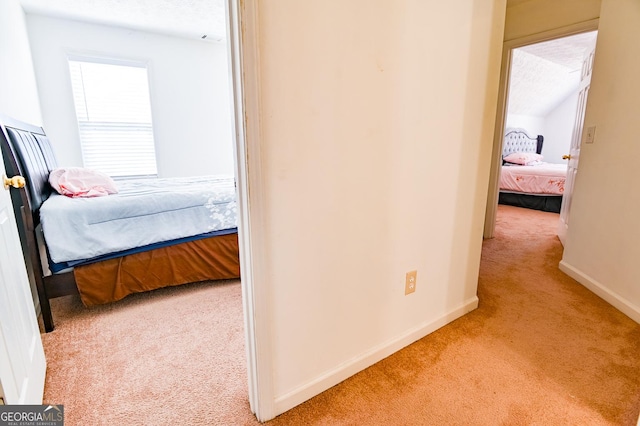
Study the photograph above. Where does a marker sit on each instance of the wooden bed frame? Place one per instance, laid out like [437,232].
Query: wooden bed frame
[27,151]
[517,140]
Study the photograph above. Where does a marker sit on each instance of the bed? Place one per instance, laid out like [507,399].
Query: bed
[63,258]
[525,179]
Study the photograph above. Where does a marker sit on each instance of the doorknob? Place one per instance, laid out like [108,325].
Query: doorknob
[16,181]
[566,157]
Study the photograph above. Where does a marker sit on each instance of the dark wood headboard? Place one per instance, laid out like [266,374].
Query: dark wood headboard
[517,140]
[27,151]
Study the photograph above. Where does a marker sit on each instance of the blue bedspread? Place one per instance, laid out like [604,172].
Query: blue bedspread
[143,212]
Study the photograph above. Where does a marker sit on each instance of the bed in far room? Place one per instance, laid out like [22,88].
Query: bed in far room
[526,180]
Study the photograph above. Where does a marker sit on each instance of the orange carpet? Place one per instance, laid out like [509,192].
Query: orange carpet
[540,349]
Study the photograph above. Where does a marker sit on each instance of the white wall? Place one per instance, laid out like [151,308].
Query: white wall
[189,91]
[19,94]
[532,124]
[558,127]
[603,247]
[377,121]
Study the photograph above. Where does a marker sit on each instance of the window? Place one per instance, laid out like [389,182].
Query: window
[114,117]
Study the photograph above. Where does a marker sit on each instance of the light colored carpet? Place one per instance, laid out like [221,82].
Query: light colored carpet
[172,356]
[540,349]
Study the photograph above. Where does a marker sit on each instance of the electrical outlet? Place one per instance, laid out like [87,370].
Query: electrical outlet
[410,282]
[591,134]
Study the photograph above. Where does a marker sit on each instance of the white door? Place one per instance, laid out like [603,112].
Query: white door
[574,152]
[22,363]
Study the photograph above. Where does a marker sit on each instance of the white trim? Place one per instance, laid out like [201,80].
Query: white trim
[501,115]
[244,65]
[106,59]
[375,354]
[622,304]
[491,210]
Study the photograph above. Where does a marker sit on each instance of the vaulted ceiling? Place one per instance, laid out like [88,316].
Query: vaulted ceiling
[545,74]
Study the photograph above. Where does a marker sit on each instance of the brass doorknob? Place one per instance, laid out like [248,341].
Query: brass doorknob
[16,182]
[566,157]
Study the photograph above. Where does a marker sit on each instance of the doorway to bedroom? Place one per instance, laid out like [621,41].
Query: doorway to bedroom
[539,105]
[194,336]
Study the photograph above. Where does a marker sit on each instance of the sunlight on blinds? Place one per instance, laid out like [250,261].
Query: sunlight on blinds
[114,118]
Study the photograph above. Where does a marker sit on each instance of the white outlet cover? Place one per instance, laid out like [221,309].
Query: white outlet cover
[591,134]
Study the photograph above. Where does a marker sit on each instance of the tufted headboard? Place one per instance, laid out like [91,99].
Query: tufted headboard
[517,140]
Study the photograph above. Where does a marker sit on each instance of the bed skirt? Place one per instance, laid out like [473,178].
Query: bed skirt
[213,258]
[547,203]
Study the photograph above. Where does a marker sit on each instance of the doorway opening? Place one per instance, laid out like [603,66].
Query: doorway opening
[162,50]
[536,121]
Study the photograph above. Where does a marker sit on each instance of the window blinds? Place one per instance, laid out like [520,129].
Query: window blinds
[114,117]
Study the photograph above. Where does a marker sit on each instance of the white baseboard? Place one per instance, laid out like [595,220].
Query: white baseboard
[622,304]
[375,354]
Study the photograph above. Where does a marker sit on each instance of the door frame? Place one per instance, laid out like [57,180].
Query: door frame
[244,64]
[501,112]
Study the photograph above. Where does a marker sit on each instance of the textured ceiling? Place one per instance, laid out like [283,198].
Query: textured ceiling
[185,18]
[545,74]
[567,51]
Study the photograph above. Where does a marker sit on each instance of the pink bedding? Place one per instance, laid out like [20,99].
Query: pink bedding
[543,179]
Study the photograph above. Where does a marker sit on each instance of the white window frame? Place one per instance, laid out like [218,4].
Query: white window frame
[89,129]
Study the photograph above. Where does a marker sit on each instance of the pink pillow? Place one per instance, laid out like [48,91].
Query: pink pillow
[81,182]
[523,158]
